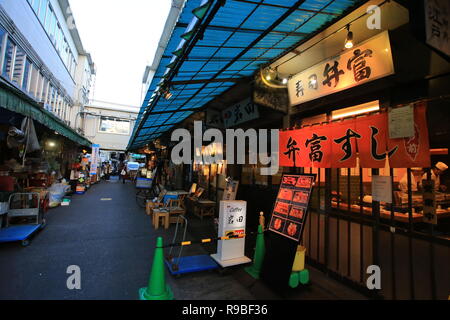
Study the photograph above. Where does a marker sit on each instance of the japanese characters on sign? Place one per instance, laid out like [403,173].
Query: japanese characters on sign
[95,157]
[369,61]
[232,218]
[239,113]
[291,206]
[437,24]
[339,144]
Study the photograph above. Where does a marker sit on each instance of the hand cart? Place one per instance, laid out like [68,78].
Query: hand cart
[24,206]
[188,264]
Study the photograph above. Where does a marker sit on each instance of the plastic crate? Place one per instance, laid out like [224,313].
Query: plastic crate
[143,183]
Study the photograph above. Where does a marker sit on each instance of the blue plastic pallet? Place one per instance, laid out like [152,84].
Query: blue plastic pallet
[18,233]
[192,264]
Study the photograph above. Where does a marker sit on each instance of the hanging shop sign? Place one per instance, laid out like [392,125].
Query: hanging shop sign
[437,26]
[337,145]
[214,119]
[367,62]
[232,218]
[239,113]
[95,156]
[291,206]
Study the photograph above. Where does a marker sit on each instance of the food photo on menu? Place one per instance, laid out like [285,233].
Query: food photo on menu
[296,212]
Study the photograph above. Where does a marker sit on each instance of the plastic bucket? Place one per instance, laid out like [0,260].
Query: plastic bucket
[299,261]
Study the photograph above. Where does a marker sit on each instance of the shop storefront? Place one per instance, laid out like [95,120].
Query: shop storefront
[357,108]
[369,122]
[41,157]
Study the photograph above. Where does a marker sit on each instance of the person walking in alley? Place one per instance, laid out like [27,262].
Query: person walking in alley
[123,172]
[108,170]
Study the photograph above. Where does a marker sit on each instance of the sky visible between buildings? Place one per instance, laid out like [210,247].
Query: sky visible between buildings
[122,37]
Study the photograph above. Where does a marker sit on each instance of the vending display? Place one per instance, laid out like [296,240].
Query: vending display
[291,206]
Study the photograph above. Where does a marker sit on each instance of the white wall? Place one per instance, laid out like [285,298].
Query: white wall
[29,25]
[106,140]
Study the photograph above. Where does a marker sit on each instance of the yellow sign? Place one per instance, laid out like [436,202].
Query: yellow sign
[369,61]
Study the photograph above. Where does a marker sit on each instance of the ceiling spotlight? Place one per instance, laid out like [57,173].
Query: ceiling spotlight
[272,78]
[349,39]
[167,95]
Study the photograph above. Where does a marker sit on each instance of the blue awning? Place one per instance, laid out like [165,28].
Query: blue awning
[215,43]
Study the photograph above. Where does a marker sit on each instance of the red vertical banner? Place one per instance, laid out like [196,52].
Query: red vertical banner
[413,151]
[343,144]
[372,146]
[318,146]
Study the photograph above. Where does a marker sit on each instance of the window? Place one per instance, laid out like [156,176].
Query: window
[115,126]
[52,31]
[45,85]
[73,67]
[35,4]
[9,56]
[59,40]
[49,20]
[39,85]
[52,95]
[34,77]
[19,66]
[64,103]
[2,36]
[65,52]
[58,104]
[42,10]
[49,96]
[27,75]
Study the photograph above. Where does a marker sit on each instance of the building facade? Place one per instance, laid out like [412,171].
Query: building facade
[42,56]
[108,124]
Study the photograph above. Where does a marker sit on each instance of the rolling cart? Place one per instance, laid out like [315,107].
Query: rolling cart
[181,265]
[23,206]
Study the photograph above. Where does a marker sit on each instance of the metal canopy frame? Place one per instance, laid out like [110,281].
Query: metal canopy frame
[229,43]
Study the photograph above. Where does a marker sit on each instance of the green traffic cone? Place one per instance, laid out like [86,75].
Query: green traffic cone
[258,258]
[157,288]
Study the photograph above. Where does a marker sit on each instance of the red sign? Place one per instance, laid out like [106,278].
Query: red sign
[338,145]
[291,206]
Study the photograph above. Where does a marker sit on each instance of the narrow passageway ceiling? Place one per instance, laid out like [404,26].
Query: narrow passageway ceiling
[228,40]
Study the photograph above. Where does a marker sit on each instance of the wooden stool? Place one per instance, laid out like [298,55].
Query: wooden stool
[205,208]
[157,214]
[148,207]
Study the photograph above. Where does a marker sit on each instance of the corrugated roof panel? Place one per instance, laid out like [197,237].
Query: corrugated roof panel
[223,52]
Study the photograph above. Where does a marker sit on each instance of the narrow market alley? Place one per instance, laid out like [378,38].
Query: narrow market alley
[110,238]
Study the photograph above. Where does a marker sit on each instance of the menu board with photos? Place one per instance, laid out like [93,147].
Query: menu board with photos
[291,205]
